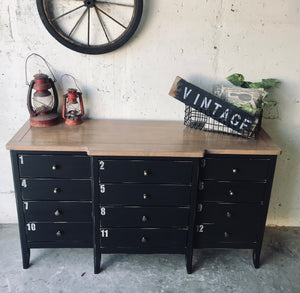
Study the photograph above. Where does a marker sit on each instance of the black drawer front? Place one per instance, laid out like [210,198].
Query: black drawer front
[54,166]
[59,231]
[243,214]
[145,194]
[144,217]
[140,171]
[143,238]
[56,189]
[234,191]
[58,211]
[236,169]
[209,234]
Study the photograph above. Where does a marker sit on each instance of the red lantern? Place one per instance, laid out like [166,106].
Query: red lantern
[73,107]
[42,105]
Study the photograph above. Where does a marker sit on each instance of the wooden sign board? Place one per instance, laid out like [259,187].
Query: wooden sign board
[218,109]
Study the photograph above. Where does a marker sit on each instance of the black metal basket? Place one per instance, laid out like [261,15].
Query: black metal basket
[203,121]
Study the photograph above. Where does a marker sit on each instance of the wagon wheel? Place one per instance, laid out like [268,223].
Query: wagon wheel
[91,26]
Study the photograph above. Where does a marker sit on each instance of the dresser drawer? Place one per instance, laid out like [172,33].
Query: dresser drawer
[57,211]
[246,168]
[144,171]
[54,166]
[59,231]
[145,194]
[242,214]
[56,189]
[143,238]
[213,235]
[144,216]
[232,191]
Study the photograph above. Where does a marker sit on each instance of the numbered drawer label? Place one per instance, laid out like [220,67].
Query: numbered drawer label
[143,171]
[59,231]
[56,189]
[232,191]
[144,194]
[236,168]
[222,213]
[31,226]
[144,217]
[57,211]
[143,238]
[213,235]
[54,166]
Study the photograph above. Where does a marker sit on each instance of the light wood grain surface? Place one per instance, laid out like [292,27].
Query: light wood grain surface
[137,138]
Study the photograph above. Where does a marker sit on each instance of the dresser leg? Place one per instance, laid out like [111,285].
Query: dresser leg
[26,257]
[189,262]
[97,261]
[256,257]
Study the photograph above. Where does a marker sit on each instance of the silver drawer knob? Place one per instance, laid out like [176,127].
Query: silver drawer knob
[57,213]
[145,196]
[144,239]
[231,193]
[58,233]
[146,172]
[234,170]
[56,190]
[226,234]
[228,215]
[54,167]
[144,219]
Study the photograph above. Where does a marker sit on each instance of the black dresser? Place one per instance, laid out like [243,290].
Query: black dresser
[140,187]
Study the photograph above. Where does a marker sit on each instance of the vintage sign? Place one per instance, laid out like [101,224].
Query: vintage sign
[212,106]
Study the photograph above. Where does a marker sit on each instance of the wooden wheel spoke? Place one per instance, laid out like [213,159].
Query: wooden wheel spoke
[89,26]
[105,13]
[102,24]
[78,21]
[113,3]
[56,18]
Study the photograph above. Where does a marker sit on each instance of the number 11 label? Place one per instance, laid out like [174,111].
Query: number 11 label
[104,233]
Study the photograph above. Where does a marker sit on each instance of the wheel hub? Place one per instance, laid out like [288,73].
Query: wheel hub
[89,3]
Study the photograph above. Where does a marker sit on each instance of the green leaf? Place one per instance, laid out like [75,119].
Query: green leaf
[246,107]
[269,83]
[236,79]
[256,85]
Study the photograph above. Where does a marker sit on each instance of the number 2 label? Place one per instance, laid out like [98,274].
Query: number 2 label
[200,228]
[101,163]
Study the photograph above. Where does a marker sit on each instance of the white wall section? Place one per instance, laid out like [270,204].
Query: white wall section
[200,40]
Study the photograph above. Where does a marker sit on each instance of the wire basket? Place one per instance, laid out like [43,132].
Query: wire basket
[195,119]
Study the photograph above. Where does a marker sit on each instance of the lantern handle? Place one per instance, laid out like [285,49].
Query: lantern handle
[74,79]
[47,64]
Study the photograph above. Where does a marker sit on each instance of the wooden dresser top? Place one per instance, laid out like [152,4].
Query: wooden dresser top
[137,138]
